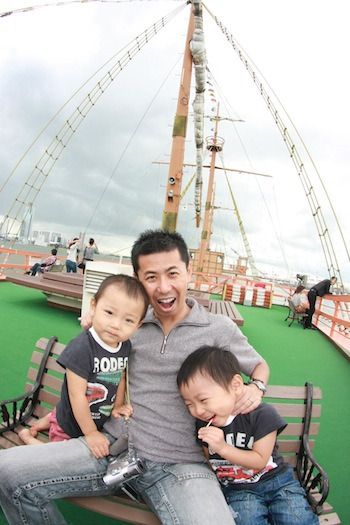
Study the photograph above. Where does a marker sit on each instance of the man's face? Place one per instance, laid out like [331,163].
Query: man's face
[166,278]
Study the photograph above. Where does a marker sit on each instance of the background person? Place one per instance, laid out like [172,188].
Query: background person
[242,449]
[297,300]
[88,254]
[319,290]
[44,266]
[177,483]
[72,255]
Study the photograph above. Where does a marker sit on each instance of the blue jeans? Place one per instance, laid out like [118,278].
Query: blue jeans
[36,268]
[278,501]
[71,266]
[31,479]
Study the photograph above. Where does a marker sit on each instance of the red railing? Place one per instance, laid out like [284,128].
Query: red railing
[20,259]
[332,317]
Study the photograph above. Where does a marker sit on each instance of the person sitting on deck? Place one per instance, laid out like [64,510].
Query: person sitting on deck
[95,362]
[44,266]
[300,308]
[241,449]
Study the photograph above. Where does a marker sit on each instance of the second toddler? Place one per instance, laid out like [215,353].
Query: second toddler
[258,485]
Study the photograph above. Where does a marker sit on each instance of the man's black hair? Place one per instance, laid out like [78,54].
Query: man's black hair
[157,241]
[54,251]
[213,361]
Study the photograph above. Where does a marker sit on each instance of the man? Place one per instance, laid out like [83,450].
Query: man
[44,266]
[319,290]
[177,484]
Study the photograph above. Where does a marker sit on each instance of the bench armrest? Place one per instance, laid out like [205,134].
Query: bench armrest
[14,412]
[312,477]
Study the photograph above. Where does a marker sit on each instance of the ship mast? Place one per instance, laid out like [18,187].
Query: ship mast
[214,144]
[173,190]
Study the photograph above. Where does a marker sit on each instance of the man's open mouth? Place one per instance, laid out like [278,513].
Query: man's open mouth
[167,303]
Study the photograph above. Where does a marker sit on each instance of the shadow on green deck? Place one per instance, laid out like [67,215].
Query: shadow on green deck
[294,355]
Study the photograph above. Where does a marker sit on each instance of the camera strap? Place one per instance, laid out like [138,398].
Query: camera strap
[123,442]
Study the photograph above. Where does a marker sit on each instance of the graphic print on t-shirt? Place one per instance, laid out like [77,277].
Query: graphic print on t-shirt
[97,393]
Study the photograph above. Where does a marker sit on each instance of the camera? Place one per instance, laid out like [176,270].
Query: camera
[123,468]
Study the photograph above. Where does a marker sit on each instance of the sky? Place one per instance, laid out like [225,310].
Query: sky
[107,184]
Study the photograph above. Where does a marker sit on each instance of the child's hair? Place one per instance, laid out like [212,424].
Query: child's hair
[213,361]
[130,285]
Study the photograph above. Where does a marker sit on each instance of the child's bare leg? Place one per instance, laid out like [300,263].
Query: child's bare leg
[41,424]
[28,435]
[28,439]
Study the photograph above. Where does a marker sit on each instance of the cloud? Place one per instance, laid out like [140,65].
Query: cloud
[106,182]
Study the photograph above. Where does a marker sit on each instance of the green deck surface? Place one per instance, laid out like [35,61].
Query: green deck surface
[294,355]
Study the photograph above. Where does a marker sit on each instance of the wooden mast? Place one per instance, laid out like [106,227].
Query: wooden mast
[173,190]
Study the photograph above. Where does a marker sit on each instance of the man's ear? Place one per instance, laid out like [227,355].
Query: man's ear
[189,271]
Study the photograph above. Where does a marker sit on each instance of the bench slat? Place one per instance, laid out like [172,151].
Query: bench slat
[110,508]
[290,392]
[329,519]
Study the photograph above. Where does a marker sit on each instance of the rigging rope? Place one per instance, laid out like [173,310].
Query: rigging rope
[106,230]
[226,103]
[321,226]
[67,2]
[250,257]
[43,167]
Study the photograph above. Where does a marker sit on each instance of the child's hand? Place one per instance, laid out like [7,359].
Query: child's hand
[123,410]
[213,436]
[98,444]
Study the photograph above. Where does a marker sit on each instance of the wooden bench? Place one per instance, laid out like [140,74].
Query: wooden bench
[299,405]
[57,268]
[202,298]
[63,290]
[226,308]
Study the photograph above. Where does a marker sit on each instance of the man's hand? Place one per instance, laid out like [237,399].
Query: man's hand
[250,400]
[98,444]
[86,321]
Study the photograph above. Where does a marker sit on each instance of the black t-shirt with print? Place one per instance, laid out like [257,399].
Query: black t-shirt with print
[242,431]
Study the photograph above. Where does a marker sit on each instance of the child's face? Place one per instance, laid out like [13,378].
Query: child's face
[116,316]
[206,399]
